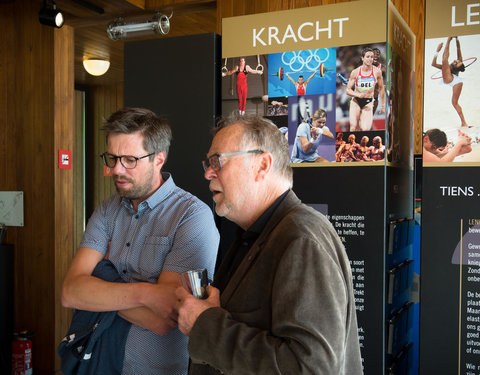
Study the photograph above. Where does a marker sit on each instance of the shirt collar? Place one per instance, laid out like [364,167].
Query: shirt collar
[257,227]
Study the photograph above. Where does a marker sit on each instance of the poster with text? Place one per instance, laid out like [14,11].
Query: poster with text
[450,253]
[326,86]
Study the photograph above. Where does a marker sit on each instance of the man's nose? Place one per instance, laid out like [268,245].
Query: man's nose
[118,167]
[210,173]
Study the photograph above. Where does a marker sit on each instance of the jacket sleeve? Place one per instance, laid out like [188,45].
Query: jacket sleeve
[307,323]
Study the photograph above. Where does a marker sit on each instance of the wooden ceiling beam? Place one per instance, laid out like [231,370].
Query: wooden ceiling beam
[138,3]
[179,9]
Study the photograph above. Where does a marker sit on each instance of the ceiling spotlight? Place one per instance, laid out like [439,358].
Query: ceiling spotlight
[119,29]
[96,67]
[49,15]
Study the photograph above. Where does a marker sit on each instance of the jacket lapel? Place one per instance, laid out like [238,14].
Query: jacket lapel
[289,203]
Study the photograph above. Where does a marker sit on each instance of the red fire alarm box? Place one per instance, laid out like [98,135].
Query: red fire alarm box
[107,171]
[64,159]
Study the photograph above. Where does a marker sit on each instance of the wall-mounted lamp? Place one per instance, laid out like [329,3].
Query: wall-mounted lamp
[119,29]
[96,67]
[49,15]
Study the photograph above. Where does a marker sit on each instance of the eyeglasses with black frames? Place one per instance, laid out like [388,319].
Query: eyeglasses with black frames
[214,160]
[127,161]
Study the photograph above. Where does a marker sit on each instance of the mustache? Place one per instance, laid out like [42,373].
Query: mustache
[121,178]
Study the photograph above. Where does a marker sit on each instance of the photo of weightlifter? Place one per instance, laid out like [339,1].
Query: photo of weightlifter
[305,72]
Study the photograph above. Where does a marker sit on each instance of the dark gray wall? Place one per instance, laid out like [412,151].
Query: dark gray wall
[179,79]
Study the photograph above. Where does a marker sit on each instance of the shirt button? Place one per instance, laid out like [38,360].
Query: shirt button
[124,271]
[128,244]
[136,216]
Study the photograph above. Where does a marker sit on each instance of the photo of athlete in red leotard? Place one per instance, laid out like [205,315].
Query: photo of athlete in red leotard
[242,71]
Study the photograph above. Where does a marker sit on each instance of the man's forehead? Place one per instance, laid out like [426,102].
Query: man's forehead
[226,139]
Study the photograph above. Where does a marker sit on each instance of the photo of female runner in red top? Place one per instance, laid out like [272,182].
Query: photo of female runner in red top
[361,87]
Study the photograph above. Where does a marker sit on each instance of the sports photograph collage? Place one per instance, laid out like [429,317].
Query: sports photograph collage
[451,111]
[332,104]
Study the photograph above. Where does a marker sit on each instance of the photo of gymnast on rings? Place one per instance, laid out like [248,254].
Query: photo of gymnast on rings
[360,87]
[451,128]
[244,84]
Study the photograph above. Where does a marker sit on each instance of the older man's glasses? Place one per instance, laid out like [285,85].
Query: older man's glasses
[215,162]
[127,161]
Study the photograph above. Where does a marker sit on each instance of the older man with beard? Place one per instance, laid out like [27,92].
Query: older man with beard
[282,300]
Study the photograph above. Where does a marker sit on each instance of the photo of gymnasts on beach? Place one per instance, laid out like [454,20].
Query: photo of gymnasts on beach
[451,110]
[244,84]
[359,146]
[311,128]
[298,73]
[360,87]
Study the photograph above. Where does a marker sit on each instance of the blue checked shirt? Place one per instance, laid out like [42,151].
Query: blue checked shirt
[172,231]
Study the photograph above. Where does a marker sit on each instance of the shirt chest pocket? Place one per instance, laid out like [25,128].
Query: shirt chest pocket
[153,256]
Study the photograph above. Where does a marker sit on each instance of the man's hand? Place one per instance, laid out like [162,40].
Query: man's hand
[161,299]
[189,308]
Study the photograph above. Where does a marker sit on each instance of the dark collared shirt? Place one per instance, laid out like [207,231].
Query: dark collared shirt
[245,239]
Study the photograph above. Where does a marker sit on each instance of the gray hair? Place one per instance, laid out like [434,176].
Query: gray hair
[156,131]
[264,135]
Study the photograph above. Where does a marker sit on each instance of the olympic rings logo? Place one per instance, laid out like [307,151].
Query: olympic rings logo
[309,59]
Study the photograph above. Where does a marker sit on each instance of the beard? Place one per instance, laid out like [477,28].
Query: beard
[138,190]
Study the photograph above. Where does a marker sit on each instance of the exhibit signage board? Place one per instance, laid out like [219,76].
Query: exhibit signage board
[450,254]
[331,76]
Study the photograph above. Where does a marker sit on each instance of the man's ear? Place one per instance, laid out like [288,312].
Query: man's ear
[264,165]
[159,159]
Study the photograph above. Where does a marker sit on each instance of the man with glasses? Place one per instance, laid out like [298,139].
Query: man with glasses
[151,230]
[282,300]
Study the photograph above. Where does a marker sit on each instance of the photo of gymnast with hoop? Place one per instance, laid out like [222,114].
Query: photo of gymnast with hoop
[450,73]
[459,71]
[241,72]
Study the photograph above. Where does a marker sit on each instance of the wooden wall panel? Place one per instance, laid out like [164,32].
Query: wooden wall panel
[64,125]
[31,89]
[416,23]
[78,168]
[8,150]
[34,245]
[403,8]
[102,102]
[274,5]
